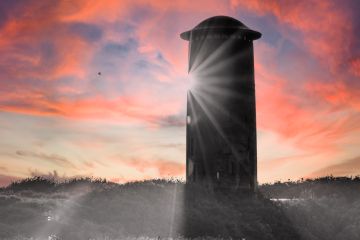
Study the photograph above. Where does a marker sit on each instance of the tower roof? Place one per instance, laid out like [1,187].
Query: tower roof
[222,24]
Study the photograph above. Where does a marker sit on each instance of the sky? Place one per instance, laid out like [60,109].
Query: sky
[60,117]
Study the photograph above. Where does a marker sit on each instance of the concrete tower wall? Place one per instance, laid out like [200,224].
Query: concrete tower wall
[221,121]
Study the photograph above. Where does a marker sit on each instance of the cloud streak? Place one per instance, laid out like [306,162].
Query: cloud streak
[52,158]
[348,167]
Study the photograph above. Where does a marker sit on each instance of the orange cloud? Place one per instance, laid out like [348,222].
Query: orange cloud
[338,94]
[39,45]
[59,43]
[302,117]
[126,109]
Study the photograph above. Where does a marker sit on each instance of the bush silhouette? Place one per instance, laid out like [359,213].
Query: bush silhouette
[88,208]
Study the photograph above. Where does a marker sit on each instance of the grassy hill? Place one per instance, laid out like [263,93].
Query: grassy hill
[38,208]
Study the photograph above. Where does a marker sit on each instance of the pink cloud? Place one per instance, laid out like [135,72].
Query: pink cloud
[32,78]
[327,28]
[348,167]
[164,168]
[355,66]
[6,180]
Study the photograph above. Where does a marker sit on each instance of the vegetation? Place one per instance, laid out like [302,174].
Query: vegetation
[335,187]
[85,208]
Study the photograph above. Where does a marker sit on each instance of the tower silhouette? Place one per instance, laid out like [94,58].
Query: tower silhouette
[221,114]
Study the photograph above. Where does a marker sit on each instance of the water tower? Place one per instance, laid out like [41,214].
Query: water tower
[221,114]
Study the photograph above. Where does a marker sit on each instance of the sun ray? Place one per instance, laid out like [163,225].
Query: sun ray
[199,137]
[211,59]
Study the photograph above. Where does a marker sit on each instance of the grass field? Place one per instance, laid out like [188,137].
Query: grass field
[37,208]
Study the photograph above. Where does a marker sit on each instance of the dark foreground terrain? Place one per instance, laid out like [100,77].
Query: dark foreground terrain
[37,208]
